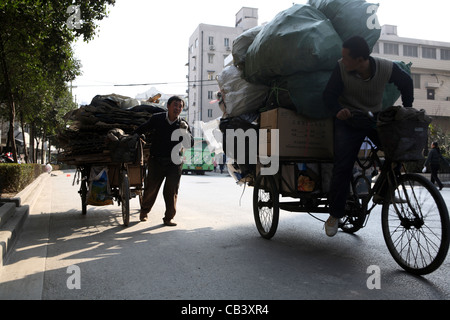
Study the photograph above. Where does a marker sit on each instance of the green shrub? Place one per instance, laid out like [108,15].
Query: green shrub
[15,177]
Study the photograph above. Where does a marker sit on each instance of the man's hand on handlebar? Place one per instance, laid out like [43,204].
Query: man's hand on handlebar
[344,114]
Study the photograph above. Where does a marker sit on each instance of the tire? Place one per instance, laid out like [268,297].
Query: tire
[83,194]
[125,197]
[416,225]
[266,207]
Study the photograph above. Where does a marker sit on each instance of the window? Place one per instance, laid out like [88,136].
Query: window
[391,48]
[210,113]
[445,54]
[210,95]
[226,42]
[196,43]
[410,51]
[210,75]
[210,58]
[416,80]
[430,94]
[211,41]
[428,53]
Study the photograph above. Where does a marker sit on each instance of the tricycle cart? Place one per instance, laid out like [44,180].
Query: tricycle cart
[414,216]
[126,174]
[415,219]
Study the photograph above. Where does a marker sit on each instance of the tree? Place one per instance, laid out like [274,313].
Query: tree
[438,135]
[36,57]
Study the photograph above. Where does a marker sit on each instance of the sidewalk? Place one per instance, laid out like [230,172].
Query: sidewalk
[33,234]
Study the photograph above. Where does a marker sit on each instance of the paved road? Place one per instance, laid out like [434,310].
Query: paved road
[214,253]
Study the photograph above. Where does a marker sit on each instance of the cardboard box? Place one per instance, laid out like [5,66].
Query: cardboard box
[299,137]
[134,175]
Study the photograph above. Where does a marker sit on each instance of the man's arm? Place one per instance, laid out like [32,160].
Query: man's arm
[404,83]
[186,133]
[145,128]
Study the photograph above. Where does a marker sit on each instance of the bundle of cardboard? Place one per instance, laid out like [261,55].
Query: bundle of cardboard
[88,126]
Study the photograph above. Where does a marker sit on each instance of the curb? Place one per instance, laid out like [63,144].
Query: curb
[14,212]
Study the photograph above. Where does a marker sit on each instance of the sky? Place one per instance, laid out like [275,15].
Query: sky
[146,41]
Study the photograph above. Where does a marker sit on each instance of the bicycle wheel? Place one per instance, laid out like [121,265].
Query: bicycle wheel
[415,225]
[125,196]
[266,207]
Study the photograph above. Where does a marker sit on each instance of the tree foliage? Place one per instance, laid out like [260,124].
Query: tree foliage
[37,60]
[436,134]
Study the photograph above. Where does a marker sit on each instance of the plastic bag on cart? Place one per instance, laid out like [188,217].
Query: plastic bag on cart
[240,96]
[99,191]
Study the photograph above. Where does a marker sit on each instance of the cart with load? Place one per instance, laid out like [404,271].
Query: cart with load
[275,88]
[111,161]
[114,176]
[414,215]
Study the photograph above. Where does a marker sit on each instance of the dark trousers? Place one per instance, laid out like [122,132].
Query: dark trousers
[158,170]
[434,174]
[347,143]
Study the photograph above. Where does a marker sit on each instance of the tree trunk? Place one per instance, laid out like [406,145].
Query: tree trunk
[25,149]
[10,95]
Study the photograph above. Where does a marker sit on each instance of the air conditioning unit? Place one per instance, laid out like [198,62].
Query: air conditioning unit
[228,48]
[448,98]
[212,48]
[432,85]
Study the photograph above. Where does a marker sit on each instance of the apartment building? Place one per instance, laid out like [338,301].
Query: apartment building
[430,71]
[209,46]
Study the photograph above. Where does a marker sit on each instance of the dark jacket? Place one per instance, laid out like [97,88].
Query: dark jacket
[434,157]
[160,132]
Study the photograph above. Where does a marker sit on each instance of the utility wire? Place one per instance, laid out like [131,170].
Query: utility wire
[189,83]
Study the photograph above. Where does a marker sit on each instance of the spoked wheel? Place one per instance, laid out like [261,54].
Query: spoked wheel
[266,207]
[125,196]
[416,225]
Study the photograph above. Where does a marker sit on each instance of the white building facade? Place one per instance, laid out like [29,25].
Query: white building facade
[209,45]
[430,71]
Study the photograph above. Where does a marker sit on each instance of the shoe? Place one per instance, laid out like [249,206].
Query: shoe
[143,217]
[440,188]
[331,226]
[169,223]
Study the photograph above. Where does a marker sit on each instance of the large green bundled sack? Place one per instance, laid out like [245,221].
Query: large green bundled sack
[241,45]
[306,92]
[299,39]
[351,18]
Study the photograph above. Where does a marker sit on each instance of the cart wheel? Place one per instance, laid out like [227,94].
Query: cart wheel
[125,196]
[266,208]
[83,194]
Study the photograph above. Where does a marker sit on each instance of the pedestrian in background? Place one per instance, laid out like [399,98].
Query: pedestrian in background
[433,161]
